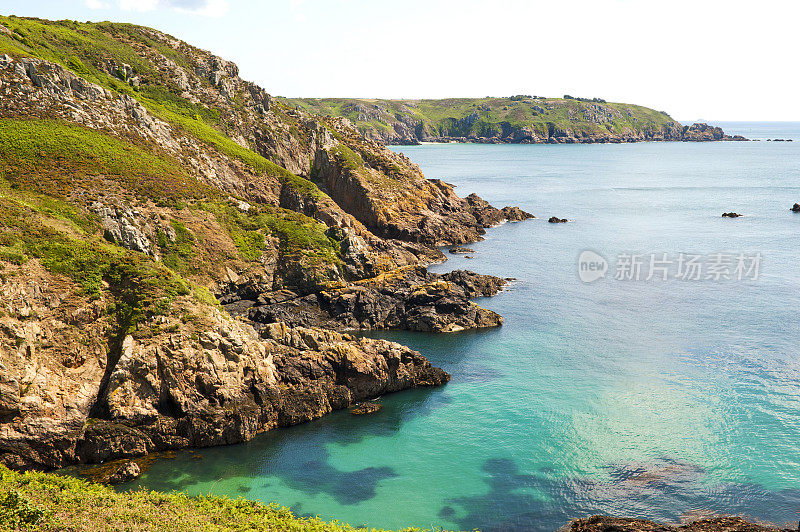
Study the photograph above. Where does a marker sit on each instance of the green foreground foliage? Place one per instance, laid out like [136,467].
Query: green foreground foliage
[43,502]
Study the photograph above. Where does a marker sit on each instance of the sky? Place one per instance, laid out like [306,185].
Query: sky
[695,59]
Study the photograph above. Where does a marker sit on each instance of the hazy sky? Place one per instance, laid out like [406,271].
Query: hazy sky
[717,60]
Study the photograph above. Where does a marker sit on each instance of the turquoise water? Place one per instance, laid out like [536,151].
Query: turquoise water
[652,399]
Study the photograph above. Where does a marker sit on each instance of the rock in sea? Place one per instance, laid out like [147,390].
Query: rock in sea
[557,220]
[795,207]
[126,473]
[456,250]
[365,408]
[731,215]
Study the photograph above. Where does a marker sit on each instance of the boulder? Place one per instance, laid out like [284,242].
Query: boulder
[125,473]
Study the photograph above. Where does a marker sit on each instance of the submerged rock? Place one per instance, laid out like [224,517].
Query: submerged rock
[126,473]
[460,250]
[365,408]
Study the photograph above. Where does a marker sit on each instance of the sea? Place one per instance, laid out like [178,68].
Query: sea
[648,365]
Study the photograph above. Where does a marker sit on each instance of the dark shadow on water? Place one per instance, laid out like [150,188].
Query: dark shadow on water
[298,455]
[661,490]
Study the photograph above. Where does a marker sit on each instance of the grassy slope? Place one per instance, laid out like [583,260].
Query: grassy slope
[42,502]
[493,112]
[47,156]
[81,47]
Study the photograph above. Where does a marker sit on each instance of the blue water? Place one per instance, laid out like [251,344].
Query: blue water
[656,399]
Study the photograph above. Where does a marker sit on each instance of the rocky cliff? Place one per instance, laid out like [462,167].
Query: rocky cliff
[521,119]
[181,254]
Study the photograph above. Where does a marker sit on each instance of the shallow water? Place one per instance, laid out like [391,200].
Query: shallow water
[641,398]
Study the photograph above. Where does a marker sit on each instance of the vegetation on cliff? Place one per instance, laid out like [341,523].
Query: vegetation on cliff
[44,503]
[512,119]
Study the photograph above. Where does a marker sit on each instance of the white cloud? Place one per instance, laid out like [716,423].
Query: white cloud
[295,6]
[138,5]
[96,4]
[207,8]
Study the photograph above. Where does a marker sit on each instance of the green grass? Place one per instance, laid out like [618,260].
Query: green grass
[141,288]
[81,47]
[43,502]
[300,237]
[178,254]
[348,158]
[56,158]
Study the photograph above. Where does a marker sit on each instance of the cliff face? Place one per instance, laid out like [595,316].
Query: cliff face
[193,377]
[519,119]
[147,194]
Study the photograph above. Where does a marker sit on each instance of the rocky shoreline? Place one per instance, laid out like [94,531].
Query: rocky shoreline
[698,132]
[123,349]
[601,523]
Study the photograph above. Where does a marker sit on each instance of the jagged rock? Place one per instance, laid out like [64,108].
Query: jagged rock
[366,408]
[702,132]
[602,523]
[210,382]
[489,216]
[123,227]
[515,214]
[125,473]
[413,299]
[731,215]
[557,220]
[460,250]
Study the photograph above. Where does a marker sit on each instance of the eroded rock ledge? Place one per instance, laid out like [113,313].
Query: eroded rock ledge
[409,299]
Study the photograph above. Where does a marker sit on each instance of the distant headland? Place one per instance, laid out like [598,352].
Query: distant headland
[520,119]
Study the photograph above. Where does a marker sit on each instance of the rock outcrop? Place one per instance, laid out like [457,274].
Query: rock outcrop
[126,473]
[601,523]
[411,299]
